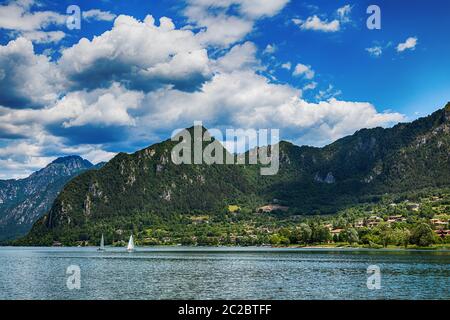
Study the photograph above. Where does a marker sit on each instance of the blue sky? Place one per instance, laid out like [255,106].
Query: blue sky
[124,80]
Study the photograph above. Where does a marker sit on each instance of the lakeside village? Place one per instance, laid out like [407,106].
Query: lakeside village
[423,223]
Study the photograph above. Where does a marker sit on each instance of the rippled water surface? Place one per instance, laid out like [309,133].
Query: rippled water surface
[222,273]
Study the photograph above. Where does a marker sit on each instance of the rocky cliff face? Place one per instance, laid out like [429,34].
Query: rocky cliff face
[24,201]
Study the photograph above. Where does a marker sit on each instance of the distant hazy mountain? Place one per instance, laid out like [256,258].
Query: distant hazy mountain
[131,190]
[24,201]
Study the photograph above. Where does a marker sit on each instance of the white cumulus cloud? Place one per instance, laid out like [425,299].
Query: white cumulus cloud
[99,15]
[287,65]
[16,15]
[132,85]
[27,80]
[303,70]
[344,13]
[409,44]
[221,28]
[44,36]
[140,54]
[317,24]
[375,51]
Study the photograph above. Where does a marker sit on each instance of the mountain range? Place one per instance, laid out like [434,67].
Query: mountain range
[24,201]
[134,190]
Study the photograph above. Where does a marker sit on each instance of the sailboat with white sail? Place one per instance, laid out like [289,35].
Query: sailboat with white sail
[102,244]
[130,247]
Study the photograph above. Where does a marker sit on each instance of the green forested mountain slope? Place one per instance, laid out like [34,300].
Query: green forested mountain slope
[134,190]
[370,162]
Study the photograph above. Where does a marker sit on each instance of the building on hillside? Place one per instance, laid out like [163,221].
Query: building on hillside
[264,230]
[393,204]
[442,233]
[438,222]
[200,219]
[398,218]
[272,207]
[413,206]
[373,221]
[336,231]
[359,223]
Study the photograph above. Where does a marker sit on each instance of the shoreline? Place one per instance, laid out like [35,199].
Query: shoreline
[411,247]
[258,248]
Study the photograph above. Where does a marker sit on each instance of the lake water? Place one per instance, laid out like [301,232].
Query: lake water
[222,273]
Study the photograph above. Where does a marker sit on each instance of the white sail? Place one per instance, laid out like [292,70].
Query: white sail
[102,244]
[130,244]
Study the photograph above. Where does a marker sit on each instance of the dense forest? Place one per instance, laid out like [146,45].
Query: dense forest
[417,219]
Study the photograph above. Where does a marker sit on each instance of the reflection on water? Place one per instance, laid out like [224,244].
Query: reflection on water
[222,273]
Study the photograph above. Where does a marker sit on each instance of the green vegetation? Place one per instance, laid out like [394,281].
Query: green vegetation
[409,220]
[316,196]
[233,208]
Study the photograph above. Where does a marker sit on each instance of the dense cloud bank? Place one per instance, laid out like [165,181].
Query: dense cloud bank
[135,83]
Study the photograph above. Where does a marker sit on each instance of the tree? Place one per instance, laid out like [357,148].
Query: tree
[351,235]
[284,241]
[275,239]
[285,233]
[386,233]
[401,237]
[426,211]
[422,235]
[188,241]
[302,234]
[336,238]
